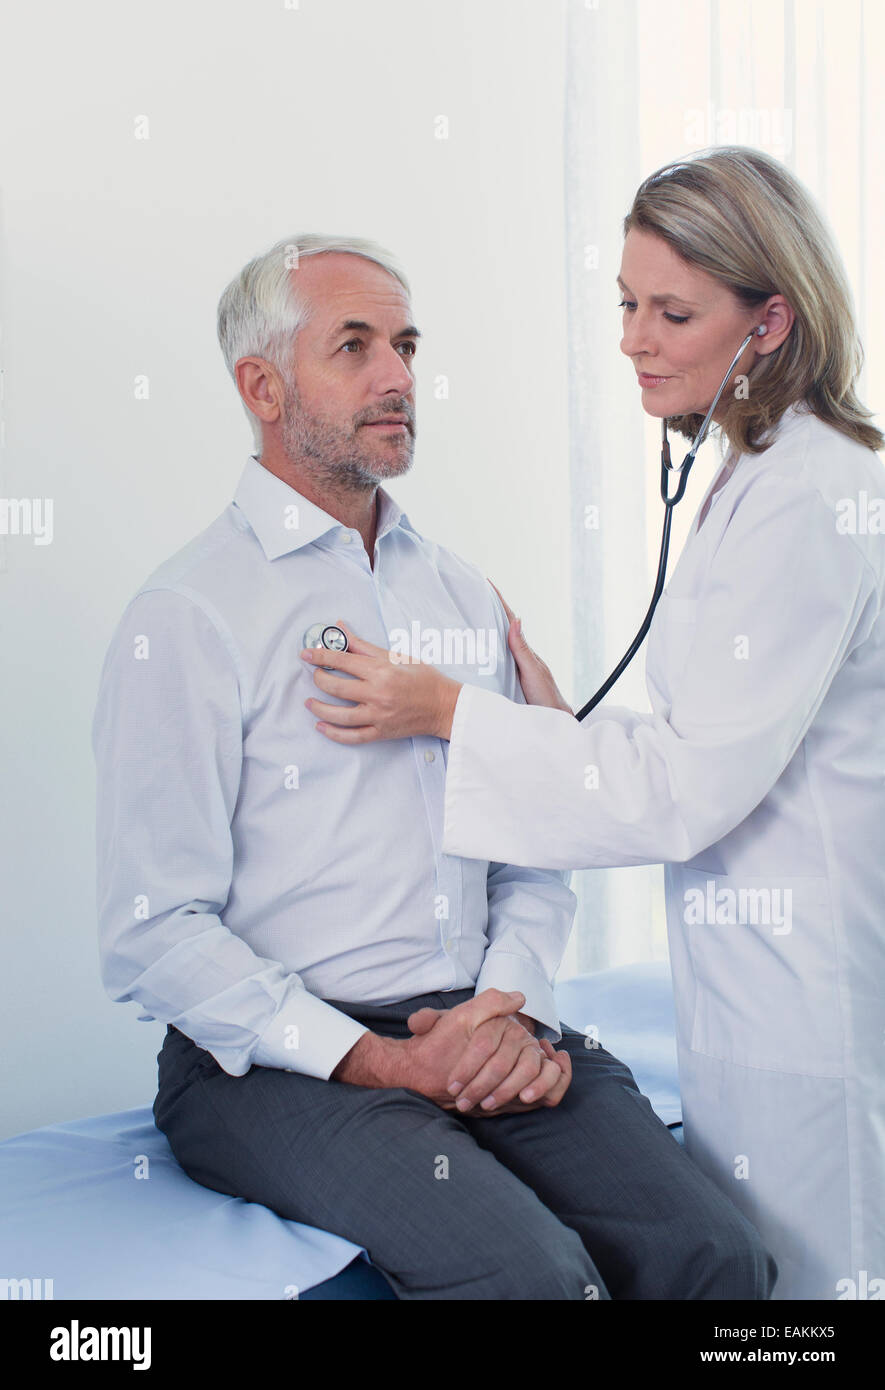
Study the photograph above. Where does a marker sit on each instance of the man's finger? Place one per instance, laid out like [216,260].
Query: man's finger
[549,1076]
[564,1062]
[492,1003]
[483,1045]
[515,1063]
[486,1055]
[422,1020]
[526,1070]
[547,1088]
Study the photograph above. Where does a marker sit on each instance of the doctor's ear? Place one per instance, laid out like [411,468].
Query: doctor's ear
[773,325]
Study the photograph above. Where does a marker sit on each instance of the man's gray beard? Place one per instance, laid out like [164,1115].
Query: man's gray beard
[333,456]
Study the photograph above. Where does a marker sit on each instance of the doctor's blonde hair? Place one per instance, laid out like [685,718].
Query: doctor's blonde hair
[745,219]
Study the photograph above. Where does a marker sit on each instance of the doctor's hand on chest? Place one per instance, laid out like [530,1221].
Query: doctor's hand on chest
[395,696]
[392,694]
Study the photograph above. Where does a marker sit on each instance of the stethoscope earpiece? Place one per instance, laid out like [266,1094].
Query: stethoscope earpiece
[682,471]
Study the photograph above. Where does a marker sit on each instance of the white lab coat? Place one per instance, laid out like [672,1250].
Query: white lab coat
[759,781]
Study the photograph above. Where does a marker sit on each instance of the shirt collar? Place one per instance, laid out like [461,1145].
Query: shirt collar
[284,520]
[791,418]
[797,411]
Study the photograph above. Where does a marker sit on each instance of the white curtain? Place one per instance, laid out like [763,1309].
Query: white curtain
[649,81]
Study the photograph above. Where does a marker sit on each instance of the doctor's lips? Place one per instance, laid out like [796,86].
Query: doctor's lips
[646,379]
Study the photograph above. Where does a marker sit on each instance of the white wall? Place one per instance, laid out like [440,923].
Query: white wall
[264,120]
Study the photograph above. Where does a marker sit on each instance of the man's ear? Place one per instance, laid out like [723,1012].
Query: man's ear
[261,388]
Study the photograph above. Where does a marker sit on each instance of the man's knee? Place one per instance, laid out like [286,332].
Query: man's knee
[730,1263]
[552,1264]
[746,1268]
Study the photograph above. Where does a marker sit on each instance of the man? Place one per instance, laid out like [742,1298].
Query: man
[283,904]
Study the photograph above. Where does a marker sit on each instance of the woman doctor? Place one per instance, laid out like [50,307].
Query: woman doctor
[759,777]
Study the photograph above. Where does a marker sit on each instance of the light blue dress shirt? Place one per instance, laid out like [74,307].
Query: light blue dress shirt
[248,868]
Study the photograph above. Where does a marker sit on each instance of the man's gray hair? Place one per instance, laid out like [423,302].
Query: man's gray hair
[261,311]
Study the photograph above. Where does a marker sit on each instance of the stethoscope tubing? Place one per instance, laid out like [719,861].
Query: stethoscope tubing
[682,472]
[331,636]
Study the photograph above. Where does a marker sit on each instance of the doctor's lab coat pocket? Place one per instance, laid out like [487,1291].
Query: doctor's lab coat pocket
[670,640]
[758,969]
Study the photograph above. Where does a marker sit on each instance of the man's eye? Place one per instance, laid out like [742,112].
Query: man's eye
[357,343]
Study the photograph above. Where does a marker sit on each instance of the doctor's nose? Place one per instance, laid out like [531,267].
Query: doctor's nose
[637,338]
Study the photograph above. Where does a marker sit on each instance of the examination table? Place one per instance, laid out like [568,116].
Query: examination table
[100,1206]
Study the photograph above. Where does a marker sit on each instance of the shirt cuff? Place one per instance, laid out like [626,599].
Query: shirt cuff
[307,1035]
[505,971]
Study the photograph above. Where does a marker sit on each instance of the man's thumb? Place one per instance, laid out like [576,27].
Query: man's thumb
[422,1020]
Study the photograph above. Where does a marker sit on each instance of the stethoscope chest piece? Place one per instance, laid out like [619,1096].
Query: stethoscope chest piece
[326,635]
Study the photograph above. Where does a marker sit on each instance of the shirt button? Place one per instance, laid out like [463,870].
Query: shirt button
[451,946]
[429,755]
[346,537]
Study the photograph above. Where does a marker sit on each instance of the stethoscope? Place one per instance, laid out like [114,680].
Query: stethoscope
[326,635]
[331,637]
[682,473]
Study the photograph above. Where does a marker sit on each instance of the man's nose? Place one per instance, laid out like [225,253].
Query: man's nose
[393,374]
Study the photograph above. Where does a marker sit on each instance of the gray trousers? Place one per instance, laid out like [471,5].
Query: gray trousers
[592,1198]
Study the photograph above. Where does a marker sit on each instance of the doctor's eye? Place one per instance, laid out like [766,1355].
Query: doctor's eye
[354,342]
[673,318]
[413,346]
